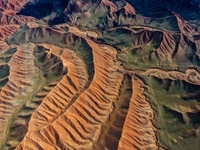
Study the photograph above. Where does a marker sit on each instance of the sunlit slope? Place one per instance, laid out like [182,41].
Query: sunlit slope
[103,74]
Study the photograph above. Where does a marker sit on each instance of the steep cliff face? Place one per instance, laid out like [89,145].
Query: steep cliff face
[99,74]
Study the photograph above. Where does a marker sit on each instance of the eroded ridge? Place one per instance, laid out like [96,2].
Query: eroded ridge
[20,85]
[67,89]
[81,123]
[50,71]
[138,130]
[104,74]
[112,129]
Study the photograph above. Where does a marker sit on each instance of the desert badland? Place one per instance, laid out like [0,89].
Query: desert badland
[99,75]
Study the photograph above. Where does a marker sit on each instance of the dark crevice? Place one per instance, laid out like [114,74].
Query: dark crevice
[111,132]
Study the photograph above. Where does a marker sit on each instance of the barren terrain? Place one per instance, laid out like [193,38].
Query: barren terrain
[99,75]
